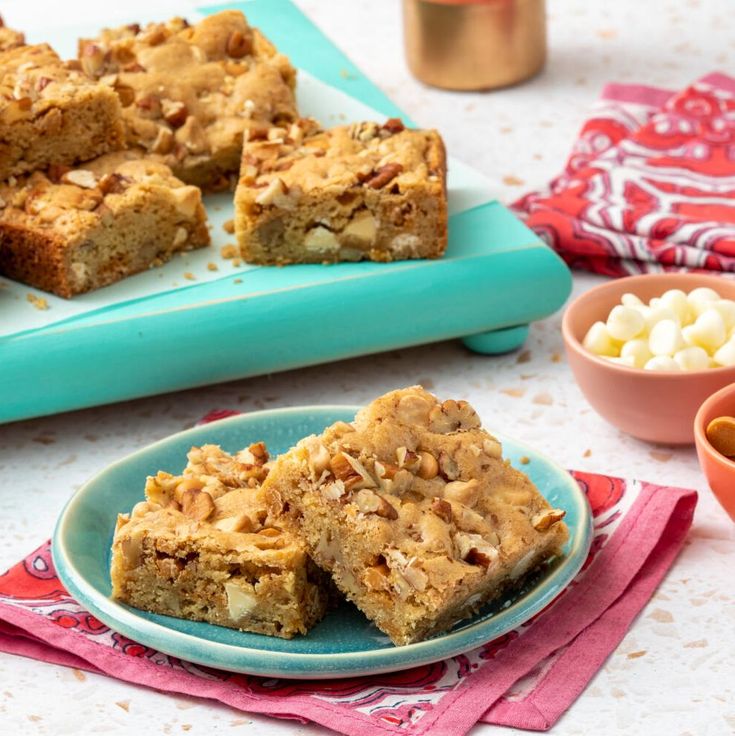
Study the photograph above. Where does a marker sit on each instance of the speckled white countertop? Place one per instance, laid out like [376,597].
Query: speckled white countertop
[684,683]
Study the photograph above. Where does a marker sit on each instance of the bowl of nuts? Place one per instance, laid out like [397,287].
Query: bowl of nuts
[714,435]
[646,351]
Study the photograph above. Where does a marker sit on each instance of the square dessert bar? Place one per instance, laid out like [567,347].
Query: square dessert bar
[414,512]
[203,547]
[190,93]
[353,192]
[68,231]
[51,113]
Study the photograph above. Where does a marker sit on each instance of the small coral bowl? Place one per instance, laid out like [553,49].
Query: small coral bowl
[719,470]
[655,406]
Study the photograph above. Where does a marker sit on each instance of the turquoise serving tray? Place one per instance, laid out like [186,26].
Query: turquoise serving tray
[495,278]
[345,643]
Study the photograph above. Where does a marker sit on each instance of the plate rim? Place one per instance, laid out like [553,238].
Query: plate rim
[262,662]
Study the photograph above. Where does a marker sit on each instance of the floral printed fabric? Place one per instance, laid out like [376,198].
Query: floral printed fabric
[650,184]
[526,679]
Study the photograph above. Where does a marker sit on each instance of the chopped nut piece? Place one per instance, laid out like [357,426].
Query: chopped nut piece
[465,492]
[428,466]
[197,505]
[81,178]
[492,448]
[351,471]
[541,522]
[384,175]
[448,466]
[475,550]
[238,45]
[241,523]
[334,491]
[276,188]
[413,409]
[442,509]
[318,458]
[174,112]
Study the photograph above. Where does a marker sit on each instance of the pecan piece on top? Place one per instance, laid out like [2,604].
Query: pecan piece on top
[384,175]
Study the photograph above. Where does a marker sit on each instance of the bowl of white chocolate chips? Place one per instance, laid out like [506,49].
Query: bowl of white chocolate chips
[647,350]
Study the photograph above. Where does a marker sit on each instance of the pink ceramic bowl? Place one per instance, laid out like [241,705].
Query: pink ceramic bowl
[652,405]
[719,471]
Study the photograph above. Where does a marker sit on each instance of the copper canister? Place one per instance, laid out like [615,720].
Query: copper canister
[474,44]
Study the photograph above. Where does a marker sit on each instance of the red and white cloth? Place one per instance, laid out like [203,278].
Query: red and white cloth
[650,183]
[525,679]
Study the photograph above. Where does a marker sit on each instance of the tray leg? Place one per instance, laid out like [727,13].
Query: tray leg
[496,342]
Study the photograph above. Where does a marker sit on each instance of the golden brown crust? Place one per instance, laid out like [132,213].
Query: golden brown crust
[414,512]
[51,113]
[352,192]
[68,231]
[190,93]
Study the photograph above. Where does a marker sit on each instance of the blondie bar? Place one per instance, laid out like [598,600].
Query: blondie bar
[190,93]
[414,512]
[68,231]
[203,547]
[51,113]
[353,192]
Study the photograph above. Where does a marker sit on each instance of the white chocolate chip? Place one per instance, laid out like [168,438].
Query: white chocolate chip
[637,350]
[701,299]
[692,358]
[630,300]
[676,300]
[665,338]
[239,601]
[625,323]
[662,363]
[708,331]
[598,340]
[627,361]
[725,355]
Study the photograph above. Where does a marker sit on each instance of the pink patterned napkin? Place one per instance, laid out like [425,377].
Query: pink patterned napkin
[650,183]
[526,679]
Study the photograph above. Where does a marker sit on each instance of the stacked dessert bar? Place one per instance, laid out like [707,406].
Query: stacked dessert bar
[410,511]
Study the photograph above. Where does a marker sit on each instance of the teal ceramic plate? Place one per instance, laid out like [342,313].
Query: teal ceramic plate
[344,644]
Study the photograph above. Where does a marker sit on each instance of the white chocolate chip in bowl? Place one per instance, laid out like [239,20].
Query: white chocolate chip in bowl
[652,384]
[599,341]
[665,338]
[625,323]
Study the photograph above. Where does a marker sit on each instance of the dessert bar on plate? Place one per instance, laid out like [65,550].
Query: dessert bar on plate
[71,230]
[414,512]
[190,93]
[51,113]
[203,547]
[353,192]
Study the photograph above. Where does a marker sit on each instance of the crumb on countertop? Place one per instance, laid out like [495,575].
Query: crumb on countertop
[37,301]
